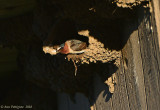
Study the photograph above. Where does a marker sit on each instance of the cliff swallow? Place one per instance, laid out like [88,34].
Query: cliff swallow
[69,47]
[72,47]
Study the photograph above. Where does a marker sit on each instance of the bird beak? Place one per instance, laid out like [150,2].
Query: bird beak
[60,47]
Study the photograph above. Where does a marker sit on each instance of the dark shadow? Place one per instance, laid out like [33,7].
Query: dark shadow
[99,78]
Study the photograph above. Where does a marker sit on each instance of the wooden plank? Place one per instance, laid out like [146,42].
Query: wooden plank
[120,96]
[138,70]
[138,76]
[156,11]
[150,59]
[104,100]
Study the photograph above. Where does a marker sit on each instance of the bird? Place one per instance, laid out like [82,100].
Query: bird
[73,46]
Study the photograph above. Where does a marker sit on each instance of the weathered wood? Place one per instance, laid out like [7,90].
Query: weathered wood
[149,48]
[138,69]
[156,11]
[138,76]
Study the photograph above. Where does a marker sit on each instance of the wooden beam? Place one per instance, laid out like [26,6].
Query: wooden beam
[156,9]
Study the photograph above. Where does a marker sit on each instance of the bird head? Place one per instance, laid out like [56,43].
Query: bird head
[64,48]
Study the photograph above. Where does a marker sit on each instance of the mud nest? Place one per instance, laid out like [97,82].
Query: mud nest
[95,52]
[131,3]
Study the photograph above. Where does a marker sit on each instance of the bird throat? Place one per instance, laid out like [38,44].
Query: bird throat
[65,49]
